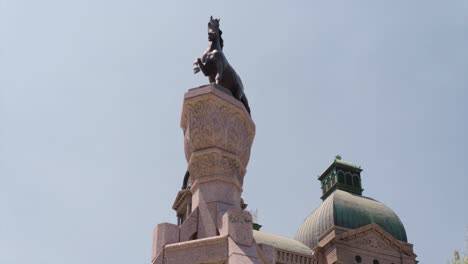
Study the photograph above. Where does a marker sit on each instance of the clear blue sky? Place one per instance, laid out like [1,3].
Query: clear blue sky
[91,153]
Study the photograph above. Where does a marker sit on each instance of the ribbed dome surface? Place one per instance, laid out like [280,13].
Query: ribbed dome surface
[351,211]
[280,242]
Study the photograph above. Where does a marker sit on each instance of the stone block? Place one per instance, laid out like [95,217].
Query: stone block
[189,227]
[238,225]
[207,220]
[240,249]
[163,234]
[159,259]
[206,250]
[215,190]
[268,253]
[223,208]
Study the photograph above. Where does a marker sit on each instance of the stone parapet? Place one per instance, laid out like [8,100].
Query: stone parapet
[207,250]
[163,234]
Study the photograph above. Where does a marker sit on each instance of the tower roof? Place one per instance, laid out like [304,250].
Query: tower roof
[343,205]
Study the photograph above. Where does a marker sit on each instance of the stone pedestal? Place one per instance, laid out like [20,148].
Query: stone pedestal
[218,135]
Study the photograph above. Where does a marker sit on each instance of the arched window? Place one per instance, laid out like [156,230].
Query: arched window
[375,261]
[333,179]
[355,181]
[340,177]
[358,259]
[348,179]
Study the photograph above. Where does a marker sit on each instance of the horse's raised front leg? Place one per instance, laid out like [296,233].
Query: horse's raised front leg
[202,67]
[196,67]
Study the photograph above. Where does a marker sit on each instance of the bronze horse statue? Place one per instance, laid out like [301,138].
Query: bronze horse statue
[214,64]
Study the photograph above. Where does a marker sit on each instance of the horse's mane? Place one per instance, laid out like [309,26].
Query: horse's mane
[221,42]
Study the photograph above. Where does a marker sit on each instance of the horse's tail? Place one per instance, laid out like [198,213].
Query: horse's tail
[242,98]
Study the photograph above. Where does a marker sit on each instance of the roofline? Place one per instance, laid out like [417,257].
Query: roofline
[342,187]
[338,163]
[404,246]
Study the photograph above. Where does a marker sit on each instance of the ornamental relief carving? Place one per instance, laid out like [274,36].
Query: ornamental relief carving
[372,242]
[209,123]
[215,163]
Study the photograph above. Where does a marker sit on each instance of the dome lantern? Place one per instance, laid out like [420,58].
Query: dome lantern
[341,175]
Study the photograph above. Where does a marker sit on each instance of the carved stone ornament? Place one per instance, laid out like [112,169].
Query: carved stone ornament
[212,118]
[372,242]
[214,161]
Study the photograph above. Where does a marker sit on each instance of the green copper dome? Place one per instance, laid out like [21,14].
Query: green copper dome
[348,210]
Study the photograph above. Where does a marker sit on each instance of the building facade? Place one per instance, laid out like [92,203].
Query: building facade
[350,228]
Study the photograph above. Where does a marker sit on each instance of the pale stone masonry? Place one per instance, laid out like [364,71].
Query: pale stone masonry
[213,226]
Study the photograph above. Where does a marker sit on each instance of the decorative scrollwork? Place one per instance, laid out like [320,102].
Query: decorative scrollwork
[212,162]
[373,242]
[211,123]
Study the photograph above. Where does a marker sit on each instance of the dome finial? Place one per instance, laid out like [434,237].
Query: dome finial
[338,157]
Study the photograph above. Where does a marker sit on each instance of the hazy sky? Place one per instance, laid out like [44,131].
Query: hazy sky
[91,150]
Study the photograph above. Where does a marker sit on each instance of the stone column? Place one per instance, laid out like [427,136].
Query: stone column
[218,135]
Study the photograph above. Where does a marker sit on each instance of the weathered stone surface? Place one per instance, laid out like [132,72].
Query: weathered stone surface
[189,227]
[218,135]
[215,189]
[215,161]
[164,234]
[212,118]
[207,250]
[207,219]
[238,225]
[159,259]
[268,252]
[235,248]
[242,259]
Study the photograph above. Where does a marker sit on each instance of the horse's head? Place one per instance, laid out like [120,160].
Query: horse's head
[213,30]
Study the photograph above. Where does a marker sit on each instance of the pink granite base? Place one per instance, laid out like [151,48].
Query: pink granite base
[218,135]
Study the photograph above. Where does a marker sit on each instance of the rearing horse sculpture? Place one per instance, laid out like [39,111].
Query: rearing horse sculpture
[214,64]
